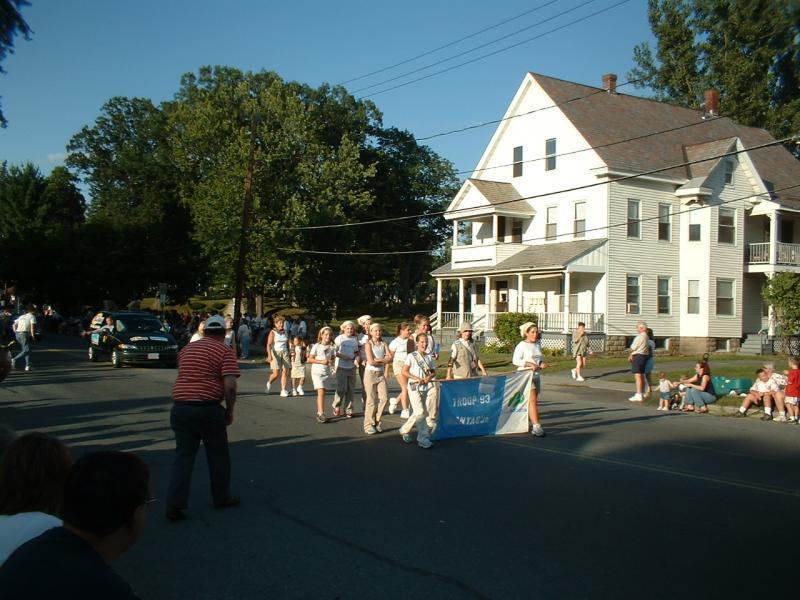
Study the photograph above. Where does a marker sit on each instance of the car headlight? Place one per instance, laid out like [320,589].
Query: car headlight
[127,347]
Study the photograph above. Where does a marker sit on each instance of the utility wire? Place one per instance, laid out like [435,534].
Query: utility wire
[476,59]
[540,238]
[471,50]
[545,194]
[449,44]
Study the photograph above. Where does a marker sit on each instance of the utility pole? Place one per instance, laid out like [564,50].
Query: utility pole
[245,230]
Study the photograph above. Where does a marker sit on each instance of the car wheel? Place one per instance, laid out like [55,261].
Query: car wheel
[92,354]
[116,358]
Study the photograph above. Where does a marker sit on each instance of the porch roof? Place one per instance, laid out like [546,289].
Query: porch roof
[541,257]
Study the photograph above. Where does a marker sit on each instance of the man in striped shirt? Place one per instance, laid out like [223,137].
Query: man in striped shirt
[207,373]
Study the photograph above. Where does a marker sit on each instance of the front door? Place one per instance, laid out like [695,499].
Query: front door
[501,287]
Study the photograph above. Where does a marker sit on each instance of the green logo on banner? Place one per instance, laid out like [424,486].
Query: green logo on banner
[516,400]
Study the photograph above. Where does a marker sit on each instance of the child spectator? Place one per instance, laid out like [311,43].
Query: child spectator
[793,389]
[665,387]
[762,391]
[298,366]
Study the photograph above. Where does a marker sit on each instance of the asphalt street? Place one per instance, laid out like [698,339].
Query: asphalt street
[618,501]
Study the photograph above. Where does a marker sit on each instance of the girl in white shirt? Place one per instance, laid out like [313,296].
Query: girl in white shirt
[400,348]
[420,370]
[528,355]
[375,372]
[322,356]
[278,355]
[347,358]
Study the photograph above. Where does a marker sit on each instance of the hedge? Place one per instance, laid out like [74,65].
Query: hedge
[506,327]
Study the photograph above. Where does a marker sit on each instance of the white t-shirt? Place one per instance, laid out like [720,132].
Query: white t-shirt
[25,323]
[196,336]
[763,387]
[379,351]
[347,346]
[664,385]
[17,529]
[280,341]
[322,352]
[399,347]
[362,347]
[526,352]
[414,367]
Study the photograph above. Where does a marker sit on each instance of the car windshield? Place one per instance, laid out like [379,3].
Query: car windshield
[139,323]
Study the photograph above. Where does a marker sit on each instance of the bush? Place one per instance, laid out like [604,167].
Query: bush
[506,327]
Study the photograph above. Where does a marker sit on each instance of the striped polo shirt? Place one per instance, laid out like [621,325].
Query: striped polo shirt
[201,367]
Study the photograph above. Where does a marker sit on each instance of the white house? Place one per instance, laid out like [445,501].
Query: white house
[595,206]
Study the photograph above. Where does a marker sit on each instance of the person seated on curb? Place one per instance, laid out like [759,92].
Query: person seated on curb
[32,472]
[104,505]
[699,389]
[778,396]
[762,391]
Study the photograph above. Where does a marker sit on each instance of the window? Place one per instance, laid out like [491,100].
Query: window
[551,231]
[694,225]
[501,229]
[517,161]
[634,224]
[664,295]
[480,293]
[725,305]
[464,233]
[632,285]
[693,293]
[550,154]
[516,231]
[664,223]
[579,229]
[728,171]
[726,230]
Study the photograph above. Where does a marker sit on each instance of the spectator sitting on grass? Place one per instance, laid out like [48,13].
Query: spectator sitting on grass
[104,503]
[32,471]
[778,396]
[762,391]
[699,389]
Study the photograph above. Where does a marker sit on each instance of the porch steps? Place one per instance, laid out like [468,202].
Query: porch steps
[751,344]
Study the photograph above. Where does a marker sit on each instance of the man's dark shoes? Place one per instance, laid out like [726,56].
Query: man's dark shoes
[229,503]
[175,515]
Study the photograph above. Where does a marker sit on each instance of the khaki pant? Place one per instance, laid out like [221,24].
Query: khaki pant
[345,388]
[425,413]
[377,397]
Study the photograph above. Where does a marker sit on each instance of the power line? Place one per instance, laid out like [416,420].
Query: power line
[555,29]
[449,44]
[544,194]
[540,238]
[471,50]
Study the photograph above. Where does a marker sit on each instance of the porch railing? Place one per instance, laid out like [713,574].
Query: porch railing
[787,254]
[555,321]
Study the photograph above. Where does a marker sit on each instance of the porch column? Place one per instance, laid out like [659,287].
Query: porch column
[772,316]
[494,228]
[567,282]
[460,300]
[520,283]
[773,238]
[488,284]
[438,303]
[455,234]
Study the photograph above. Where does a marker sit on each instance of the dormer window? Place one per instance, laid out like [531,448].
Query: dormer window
[517,172]
[729,171]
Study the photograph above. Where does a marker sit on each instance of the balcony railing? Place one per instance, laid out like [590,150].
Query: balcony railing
[555,321]
[787,254]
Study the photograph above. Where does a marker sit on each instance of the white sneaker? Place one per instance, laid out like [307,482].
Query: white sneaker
[28,368]
[300,391]
[370,430]
[266,387]
[295,393]
[425,444]
[284,393]
[392,405]
[405,413]
[537,430]
[636,398]
[779,418]
[579,379]
[574,374]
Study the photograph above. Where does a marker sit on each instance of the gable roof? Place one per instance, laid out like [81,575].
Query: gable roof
[502,194]
[542,257]
[604,118]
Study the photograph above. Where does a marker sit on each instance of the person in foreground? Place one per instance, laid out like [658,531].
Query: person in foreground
[32,473]
[207,372]
[528,355]
[104,505]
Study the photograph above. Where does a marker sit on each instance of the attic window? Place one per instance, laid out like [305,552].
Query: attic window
[728,171]
[517,161]
[550,154]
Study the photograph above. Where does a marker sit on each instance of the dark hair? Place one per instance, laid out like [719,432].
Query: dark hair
[32,471]
[759,372]
[581,324]
[103,490]
[401,326]
[704,366]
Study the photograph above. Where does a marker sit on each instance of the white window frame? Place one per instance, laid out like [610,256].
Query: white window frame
[517,164]
[694,215]
[728,173]
[547,235]
[732,227]
[576,232]
[668,222]
[668,295]
[731,298]
[633,308]
[550,155]
[636,221]
[690,297]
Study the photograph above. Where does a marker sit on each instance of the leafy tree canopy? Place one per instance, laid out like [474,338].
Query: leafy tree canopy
[747,49]
[11,24]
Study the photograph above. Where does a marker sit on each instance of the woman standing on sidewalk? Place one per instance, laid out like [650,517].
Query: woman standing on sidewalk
[528,355]
[375,372]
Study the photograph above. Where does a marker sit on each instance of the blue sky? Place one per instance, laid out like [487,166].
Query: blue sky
[84,52]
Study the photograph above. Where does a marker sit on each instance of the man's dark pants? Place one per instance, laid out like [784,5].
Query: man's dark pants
[193,423]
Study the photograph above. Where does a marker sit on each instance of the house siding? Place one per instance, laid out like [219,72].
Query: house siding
[646,256]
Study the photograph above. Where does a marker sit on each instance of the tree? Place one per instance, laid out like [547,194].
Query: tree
[136,217]
[11,24]
[745,49]
[782,291]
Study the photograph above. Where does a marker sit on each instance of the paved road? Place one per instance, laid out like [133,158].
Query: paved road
[618,501]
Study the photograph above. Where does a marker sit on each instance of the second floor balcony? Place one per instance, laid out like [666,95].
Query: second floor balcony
[760,253]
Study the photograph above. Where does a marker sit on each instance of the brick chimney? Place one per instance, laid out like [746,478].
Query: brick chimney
[712,103]
[610,83]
